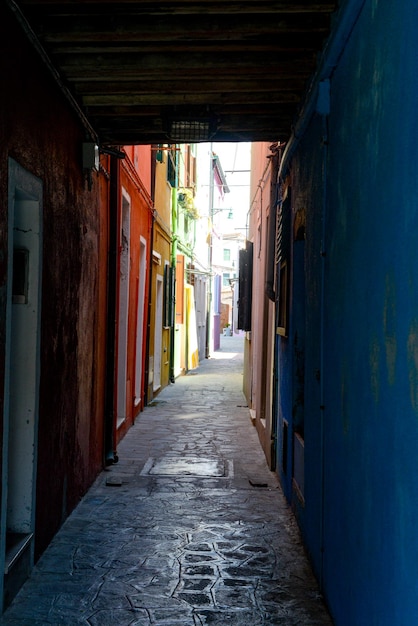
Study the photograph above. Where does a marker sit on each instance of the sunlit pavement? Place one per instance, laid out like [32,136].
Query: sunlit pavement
[189,528]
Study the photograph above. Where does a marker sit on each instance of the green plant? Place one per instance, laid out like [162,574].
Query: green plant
[185,200]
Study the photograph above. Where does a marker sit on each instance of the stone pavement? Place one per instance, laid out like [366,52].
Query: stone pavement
[190,528]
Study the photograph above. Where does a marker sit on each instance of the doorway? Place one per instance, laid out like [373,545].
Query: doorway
[22,367]
[124,275]
[158,337]
[142,267]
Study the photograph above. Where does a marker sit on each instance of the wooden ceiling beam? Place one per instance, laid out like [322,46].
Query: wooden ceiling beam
[126,104]
[144,134]
[139,66]
[170,7]
[273,49]
[149,29]
[255,84]
[133,64]
[223,117]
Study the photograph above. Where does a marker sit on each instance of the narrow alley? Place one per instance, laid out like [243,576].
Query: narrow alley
[189,528]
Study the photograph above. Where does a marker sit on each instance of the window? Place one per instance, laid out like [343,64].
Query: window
[171,166]
[283,216]
[168,296]
[227,254]
[190,275]
[20,275]
[282,303]
[159,153]
[179,299]
[225,279]
[190,166]
[217,294]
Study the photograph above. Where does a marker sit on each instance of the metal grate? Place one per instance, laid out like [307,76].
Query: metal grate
[190,131]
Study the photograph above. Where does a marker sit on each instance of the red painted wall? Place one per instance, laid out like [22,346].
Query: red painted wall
[140,157]
[41,132]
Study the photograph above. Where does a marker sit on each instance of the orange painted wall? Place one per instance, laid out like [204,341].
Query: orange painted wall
[140,226]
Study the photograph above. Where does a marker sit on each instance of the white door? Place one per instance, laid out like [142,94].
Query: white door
[22,366]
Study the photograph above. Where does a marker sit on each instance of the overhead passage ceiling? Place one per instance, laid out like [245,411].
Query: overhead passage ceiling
[182,70]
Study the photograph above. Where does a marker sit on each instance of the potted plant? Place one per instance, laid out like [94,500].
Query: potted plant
[227,331]
[185,200]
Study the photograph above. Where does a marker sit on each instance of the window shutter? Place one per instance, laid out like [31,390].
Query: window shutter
[282,258]
[245,287]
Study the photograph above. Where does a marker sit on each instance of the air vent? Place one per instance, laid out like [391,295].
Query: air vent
[191,131]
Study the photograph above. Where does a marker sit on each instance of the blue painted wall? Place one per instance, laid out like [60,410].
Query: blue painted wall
[372,324]
[307,174]
[365,517]
[299,353]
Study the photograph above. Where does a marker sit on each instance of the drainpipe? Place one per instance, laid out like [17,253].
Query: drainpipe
[173,269]
[323,109]
[210,281]
[148,337]
[109,436]
[150,277]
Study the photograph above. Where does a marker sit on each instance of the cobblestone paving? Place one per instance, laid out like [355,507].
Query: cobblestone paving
[190,528]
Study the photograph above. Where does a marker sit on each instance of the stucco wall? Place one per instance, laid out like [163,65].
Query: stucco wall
[256,344]
[370,340]
[161,244]
[140,231]
[372,322]
[42,134]
[299,354]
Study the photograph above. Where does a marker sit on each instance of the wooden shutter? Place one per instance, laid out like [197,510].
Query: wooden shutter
[245,286]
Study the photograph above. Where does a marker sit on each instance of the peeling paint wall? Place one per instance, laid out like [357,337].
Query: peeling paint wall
[138,160]
[360,527]
[161,244]
[299,354]
[259,343]
[42,133]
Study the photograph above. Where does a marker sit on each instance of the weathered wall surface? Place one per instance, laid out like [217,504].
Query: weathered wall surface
[140,226]
[372,323]
[42,133]
[299,354]
[364,519]
[161,244]
[255,342]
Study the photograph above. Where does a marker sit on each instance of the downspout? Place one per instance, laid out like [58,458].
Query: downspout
[173,269]
[148,338]
[109,439]
[150,276]
[210,281]
[323,109]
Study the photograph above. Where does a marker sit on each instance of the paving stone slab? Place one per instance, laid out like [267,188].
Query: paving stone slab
[180,532]
[185,466]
